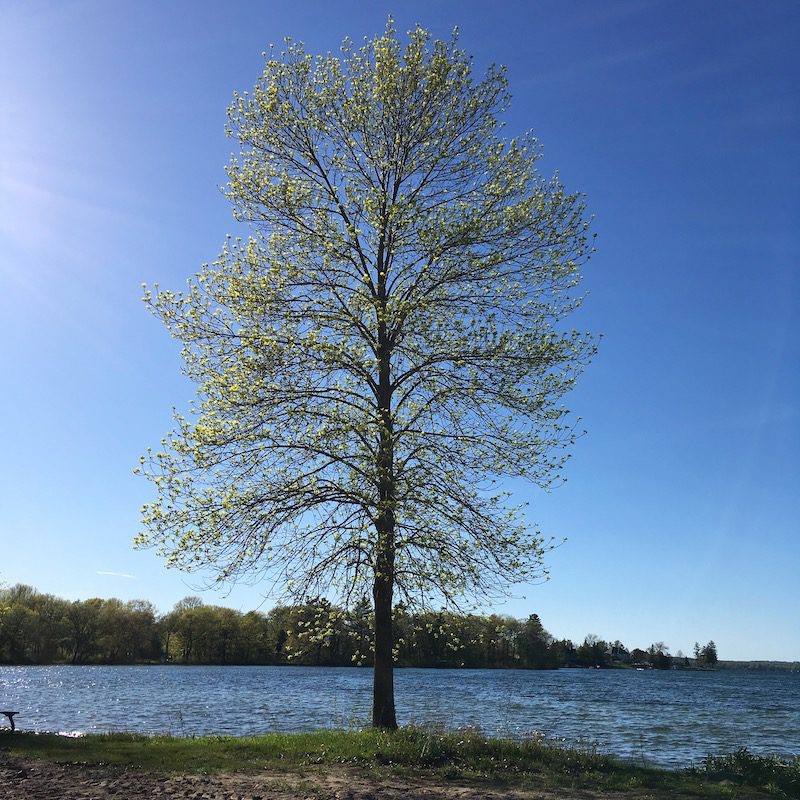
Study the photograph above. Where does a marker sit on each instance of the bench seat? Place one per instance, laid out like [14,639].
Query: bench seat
[10,715]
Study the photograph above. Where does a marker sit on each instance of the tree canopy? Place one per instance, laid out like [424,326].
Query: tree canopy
[38,628]
[384,345]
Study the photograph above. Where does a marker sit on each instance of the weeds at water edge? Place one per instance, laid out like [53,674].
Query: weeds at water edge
[774,774]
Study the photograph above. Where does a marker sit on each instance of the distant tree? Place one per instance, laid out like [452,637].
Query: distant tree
[83,627]
[279,620]
[187,623]
[619,653]
[20,594]
[256,644]
[17,632]
[469,637]
[564,653]
[361,623]
[315,633]
[658,656]
[32,625]
[51,628]
[386,343]
[225,635]
[113,633]
[534,644]
[594,652]
[708,654]
[494,640]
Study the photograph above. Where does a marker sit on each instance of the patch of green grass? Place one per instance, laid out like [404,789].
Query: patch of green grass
[464,755]
[777,775]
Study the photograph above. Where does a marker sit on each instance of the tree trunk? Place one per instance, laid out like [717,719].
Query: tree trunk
[383,712]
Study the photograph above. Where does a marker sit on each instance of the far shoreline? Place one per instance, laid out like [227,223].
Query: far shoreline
[722,666]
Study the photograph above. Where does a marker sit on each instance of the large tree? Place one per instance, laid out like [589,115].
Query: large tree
[384,345]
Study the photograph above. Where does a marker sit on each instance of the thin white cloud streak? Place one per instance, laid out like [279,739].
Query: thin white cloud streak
[579,68]
[116,574]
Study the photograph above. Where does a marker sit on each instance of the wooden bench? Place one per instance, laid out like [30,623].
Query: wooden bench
[10,715]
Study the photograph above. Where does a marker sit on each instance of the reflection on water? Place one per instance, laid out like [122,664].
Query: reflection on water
[660,718]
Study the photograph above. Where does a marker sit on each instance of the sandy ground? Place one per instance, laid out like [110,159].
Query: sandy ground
[39,780]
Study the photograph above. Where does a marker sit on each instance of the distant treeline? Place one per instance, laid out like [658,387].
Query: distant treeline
[769,666]
[40,628]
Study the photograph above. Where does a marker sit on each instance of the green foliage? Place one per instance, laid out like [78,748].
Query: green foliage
[706,656]
[743,767]
[594,652]
[384,344]
[39,628]
[658,656]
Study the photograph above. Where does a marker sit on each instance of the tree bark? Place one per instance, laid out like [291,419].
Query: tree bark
[383,711]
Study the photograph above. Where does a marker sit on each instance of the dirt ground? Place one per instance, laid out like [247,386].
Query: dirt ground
[40,780]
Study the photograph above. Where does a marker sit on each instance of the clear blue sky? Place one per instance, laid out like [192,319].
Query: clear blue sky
[679,120]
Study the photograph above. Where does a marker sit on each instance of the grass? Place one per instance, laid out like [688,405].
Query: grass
[464,755]
[743,767]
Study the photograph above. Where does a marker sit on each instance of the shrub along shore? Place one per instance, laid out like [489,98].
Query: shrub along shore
[417,753]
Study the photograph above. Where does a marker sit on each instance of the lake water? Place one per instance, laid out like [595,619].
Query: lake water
[668,719]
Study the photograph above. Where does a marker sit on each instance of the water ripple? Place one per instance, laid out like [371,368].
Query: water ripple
[666,719]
